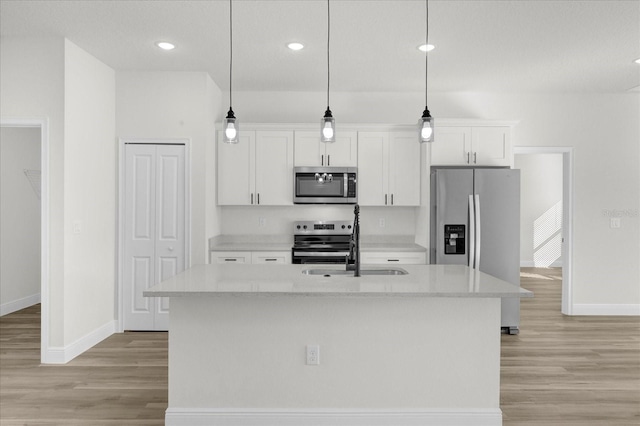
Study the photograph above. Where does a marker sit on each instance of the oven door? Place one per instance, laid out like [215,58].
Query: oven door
[319,256]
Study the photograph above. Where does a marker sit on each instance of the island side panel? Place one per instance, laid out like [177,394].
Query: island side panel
[249,352]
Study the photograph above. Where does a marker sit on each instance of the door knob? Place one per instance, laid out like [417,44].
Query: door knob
[170,248]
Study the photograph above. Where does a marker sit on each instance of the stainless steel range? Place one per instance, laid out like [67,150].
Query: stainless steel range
[322,242]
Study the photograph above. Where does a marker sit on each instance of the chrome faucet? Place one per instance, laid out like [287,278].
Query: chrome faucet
[354,244]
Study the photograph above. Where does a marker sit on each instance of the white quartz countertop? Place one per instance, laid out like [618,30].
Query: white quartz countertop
[280,280]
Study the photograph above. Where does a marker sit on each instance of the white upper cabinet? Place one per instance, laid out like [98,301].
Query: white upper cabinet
[388,169]
[311,152]
[258,170]
[471,146]
[236,170]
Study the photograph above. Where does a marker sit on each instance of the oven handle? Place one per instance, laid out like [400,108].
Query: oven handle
[321,253]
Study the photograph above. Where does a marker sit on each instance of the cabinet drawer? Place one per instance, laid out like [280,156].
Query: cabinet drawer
[399,258]
[230,257]
[271,257]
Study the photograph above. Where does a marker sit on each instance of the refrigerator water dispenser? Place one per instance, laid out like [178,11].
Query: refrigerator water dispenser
[454,241]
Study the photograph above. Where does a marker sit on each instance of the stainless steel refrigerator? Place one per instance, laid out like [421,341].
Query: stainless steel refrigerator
[475,221]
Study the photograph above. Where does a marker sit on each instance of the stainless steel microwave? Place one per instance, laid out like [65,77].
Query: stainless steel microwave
[325,185]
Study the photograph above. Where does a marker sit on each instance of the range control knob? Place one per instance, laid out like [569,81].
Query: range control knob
[304,227]
[349,226]
[343,226]
[298,226]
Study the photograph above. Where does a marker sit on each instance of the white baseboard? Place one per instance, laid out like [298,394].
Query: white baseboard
[16,305]
[605,309]
[532,264]
[321,417]
[62,355]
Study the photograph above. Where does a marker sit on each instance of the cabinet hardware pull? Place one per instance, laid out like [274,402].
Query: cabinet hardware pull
[391,199]
[258,198]
[230,260]
[251,198]
[328,160]
[270,260]
[475,154]
[393,260]
[468,156]
[385,199]
[322,160]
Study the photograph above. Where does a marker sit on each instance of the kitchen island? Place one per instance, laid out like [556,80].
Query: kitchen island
[415,349]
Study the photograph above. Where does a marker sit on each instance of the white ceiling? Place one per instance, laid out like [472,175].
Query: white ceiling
[499,46]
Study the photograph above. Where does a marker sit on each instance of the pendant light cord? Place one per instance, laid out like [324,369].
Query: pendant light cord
[426,56]
[230,49]
[328,40]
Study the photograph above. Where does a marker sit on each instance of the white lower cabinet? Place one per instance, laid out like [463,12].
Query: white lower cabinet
[273,257]
[266,257]
[398,258]
[230,257]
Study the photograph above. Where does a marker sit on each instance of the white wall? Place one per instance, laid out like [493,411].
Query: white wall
[603,129]
[540,208]
[32,85]
[90,194]
[173,105]
[19,219]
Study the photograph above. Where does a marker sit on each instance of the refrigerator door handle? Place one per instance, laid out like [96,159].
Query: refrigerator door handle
[478,232]
[472,233]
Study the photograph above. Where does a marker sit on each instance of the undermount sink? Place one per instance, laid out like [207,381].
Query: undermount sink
[330,272]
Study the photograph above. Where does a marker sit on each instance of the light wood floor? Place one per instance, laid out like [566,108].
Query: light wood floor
[558,371]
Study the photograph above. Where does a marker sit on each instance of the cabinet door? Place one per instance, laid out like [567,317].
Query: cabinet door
[343,152]
[274,168]
[271,257]
[308,150]
[230,257]
[491,146]
[236,166]
[397,258]
[451,146]
[404,169]
[373,168]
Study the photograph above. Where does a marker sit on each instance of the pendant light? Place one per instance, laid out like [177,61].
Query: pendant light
[425,124]
[328,123]
[230,122]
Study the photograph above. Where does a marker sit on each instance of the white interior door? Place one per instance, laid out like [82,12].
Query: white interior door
[154,230]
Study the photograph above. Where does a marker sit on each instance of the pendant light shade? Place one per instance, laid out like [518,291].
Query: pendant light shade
[426,127]
[230,128]
[230,122]
[328,123]
[425,124]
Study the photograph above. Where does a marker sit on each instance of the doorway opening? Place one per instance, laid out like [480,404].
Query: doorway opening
[547,212]
[37,176]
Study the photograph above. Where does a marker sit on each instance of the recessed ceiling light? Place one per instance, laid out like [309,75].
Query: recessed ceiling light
[426,47]
[295,46]
[165,45]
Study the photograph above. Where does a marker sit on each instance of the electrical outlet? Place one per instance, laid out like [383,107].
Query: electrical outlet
[381,222]
[615,222]
[77,227]
[313,354]
[262,222]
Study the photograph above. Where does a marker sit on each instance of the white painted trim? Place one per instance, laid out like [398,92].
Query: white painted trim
[532,264]
[43,124]
[120,216]
[62,355]
[567,306]
[326,417]
[16,305]
[628,309]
